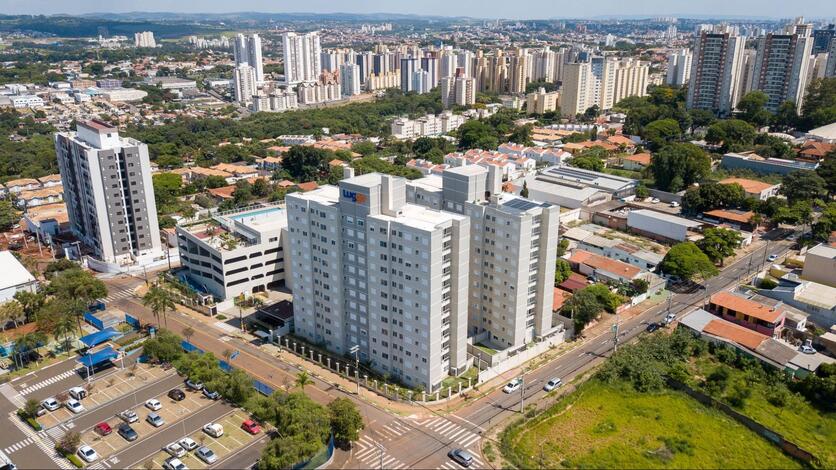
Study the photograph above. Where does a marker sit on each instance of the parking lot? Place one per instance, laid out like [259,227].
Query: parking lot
[234,439]
[115,385]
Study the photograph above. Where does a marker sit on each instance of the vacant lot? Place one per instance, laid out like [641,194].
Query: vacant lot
[606,426]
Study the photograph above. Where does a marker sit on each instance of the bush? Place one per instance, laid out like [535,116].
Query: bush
[34,424]
[74,460]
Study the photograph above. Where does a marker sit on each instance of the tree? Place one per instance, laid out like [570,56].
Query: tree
[30,301]
[166,187]
[803,185]
[260,187]
[819,106]
[164,347]
[827,171]
[64,326]
[77,284]
[306,163]
[59,266]
[562,246]
[701,117]
[719,243]
[30,409]
[661,132]
[733,135]
[27,345]
[679,165]
[588,303]
[524,190]
[364,148]
[562,271]
[160,301]
[521,135]
[303,379]
[9,216]
[753,108]
[477,134]
[786,117]
[286,452]
[346,420]
[237,386]
[713,196]
[11,311]
[69,442]
[187,333]
[687,261]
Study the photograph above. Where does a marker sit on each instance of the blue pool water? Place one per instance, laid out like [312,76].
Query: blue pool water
[247,215]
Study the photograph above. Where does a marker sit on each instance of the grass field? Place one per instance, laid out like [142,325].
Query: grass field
[605,426]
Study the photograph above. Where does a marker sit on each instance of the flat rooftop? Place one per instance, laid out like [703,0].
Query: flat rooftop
[667,218]
[432,183]
[269,219]
[420,217]
[595,179]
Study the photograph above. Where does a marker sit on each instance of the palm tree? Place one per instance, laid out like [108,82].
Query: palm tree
[31,302]
[6,314]
[28,343]
[159,301]
[302,379]
[64,326]
[12,311]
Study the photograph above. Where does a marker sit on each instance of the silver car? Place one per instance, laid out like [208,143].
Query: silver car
[207,455]
[552,384]
[155,420]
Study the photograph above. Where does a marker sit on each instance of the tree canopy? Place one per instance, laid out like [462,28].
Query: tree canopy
[679,165]
[719,243]
[733,135]
[687,261]
[803,185]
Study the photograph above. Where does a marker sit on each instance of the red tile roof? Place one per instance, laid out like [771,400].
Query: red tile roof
[604,264]
[640,158]
[747,307]
[736,333]
[560,298]
[735,216]
[309,186]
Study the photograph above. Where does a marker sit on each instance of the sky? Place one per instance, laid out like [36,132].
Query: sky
[507,9]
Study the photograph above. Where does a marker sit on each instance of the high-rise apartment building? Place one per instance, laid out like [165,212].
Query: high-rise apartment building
[350,79]
[145,39]
[603,81]
[109,194]
[715,70]
[822,39]
[679,67]
[630,79]
[575,96]
[465,91]
[247,51]
[408,67]
[372,271]
[781,65]
[430,65]
[448,92]
[243,83]
[301,55]
[541,102]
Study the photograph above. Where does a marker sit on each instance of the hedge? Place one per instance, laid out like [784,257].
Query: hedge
[34,423]
[75,460]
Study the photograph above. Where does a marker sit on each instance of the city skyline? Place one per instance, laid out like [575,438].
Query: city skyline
[493,9]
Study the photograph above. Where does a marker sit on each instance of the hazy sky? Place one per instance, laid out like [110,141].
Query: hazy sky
[511,9]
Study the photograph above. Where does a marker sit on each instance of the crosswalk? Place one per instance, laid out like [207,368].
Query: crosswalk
[12,395]
[372,456]
[49,381]
[41,440]
[460,435]
[450,465]
[119,294]
[393,430]
[18,445]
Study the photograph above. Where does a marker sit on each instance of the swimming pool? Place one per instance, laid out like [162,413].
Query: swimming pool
[261,212]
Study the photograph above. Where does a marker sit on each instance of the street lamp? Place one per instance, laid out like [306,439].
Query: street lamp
[356,351]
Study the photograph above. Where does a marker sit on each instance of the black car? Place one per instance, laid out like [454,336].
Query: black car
[652,327]
[176,394]
[127,432]
[211,394]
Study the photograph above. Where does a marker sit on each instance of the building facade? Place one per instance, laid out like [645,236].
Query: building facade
[302,57]
[715,71]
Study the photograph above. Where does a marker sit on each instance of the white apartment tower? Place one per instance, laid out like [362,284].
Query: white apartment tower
[144,39]
[350,79]
[465,91]
[575,96]
[109,194]
[247,51]
[715,70]
[781,64]
[301,55]
[244,83]
[372,271]
[630,79]
[679,67]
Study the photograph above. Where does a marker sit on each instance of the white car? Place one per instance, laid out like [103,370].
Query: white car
[153,404]
[188,443]
[206,454]
[674,204]
[175,449]
[552,384]
[51,404]
[669,318]
[772,258]
[173,463]
[78,393]
[512,386]
[129,416]
[213,429]
[88,454]
[74,405]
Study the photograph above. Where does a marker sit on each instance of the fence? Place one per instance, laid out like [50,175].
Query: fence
[134,322]
[189,347]
[790,448]
[91,319]
[319,460]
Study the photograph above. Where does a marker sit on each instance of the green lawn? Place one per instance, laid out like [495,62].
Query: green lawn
[605,426]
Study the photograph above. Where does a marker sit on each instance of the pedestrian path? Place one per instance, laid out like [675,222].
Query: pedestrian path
[40,439]
[460,435]
[372,455]
[119,294]
[49,381]
[18,445]
[12,395]
[393,430]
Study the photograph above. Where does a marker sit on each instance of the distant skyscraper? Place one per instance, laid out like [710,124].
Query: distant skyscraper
[679,67]
[350,79]
[465,91]
[239,50]
[781,65]
[430,65]
[109,194]
[715,71]
[243,83]
[822,39]
[247,51]
[408,67]
[302,60]
[575,95]
[144,39]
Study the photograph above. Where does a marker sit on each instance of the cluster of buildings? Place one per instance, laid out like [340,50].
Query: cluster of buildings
[427,126]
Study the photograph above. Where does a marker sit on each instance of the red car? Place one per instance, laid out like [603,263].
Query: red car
[251,426]
[103,429]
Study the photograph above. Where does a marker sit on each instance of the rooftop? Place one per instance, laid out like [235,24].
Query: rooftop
[747,307]
[743,217]
[587,178]
[666,217]
[604,264]
[750,186]
[13,273]
[823,250]
[98,126]
[735,333]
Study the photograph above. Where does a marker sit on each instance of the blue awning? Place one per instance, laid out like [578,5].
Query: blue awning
[99,337]
[96,358]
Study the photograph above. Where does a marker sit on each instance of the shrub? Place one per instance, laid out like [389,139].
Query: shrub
[75,460]
[34,424]
[69,443]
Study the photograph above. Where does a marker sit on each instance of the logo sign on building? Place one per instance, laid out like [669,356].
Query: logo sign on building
[354,196]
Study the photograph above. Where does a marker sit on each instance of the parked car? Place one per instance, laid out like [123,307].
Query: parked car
[127,432]
[40,410]
[173,463]
[512,386]
[211,394]
[206,454]
[51,404]
[153,404]
[251,427]
[74,405]
[461,456]
[213,429]
[772,258]
[195,385]
[155,420]
[78,393]
[188,443]
[175,449]
[651,327]
[103,429]
[674,204]
[669,318]
[176,394]
[552,384]
[129,416]
[87,454]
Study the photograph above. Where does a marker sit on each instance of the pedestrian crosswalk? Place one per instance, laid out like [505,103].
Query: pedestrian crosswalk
[119,294]
[460,435]
[450,465]
[18,445]
[393,430]
[49,381]
[39,439]
[373,455]
[12,395]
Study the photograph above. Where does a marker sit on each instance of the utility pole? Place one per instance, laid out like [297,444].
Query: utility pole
[380,450]
[615,333]
[356,351]
[765,251]
[522,391]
